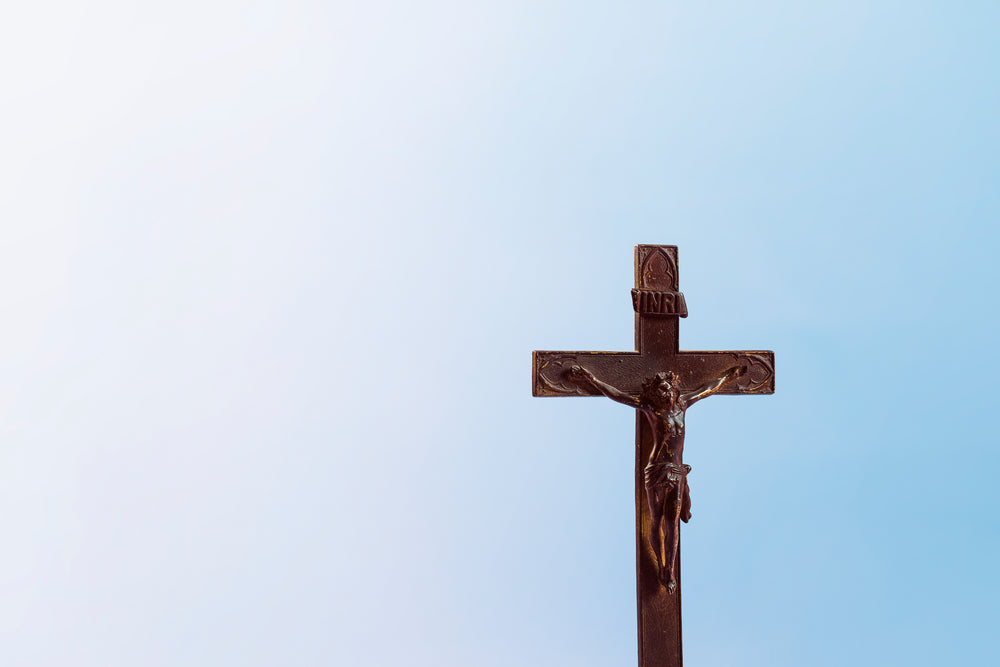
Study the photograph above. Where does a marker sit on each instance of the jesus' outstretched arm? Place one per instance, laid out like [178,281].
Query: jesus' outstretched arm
[583,377]
[712,387]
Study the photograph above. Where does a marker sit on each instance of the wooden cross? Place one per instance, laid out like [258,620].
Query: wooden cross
[660,382]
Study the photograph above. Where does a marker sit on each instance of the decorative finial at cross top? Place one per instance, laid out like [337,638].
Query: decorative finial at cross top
[661,383]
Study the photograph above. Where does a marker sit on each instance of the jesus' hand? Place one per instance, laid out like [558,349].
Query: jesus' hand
[579,374]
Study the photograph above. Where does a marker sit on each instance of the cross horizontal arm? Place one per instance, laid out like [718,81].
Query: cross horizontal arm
[627,370]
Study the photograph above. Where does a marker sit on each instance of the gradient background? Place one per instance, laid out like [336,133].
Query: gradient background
[271,273]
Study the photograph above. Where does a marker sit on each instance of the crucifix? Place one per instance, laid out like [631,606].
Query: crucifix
[660,382]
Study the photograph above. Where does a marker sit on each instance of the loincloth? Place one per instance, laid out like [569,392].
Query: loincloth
[666,475]
[670,479]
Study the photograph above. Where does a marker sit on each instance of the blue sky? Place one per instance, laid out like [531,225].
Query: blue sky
[271,275]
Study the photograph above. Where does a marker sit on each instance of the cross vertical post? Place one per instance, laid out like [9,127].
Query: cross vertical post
[660,381]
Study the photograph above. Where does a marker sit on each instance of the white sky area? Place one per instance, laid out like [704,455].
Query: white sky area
[271,274]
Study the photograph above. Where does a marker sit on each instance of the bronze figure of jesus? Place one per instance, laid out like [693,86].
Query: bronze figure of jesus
[664,404]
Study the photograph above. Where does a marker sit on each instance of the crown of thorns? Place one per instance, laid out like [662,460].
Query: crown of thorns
[669,377]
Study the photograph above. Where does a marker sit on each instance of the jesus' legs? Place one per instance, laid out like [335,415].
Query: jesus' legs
[655,517]
[671,541]
[656,498]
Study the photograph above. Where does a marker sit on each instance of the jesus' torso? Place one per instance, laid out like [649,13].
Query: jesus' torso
[667,424]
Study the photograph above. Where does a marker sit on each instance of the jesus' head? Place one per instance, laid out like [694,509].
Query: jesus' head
[662,389]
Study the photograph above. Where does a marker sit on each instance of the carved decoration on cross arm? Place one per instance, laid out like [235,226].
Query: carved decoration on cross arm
[552,376]
[759,377]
